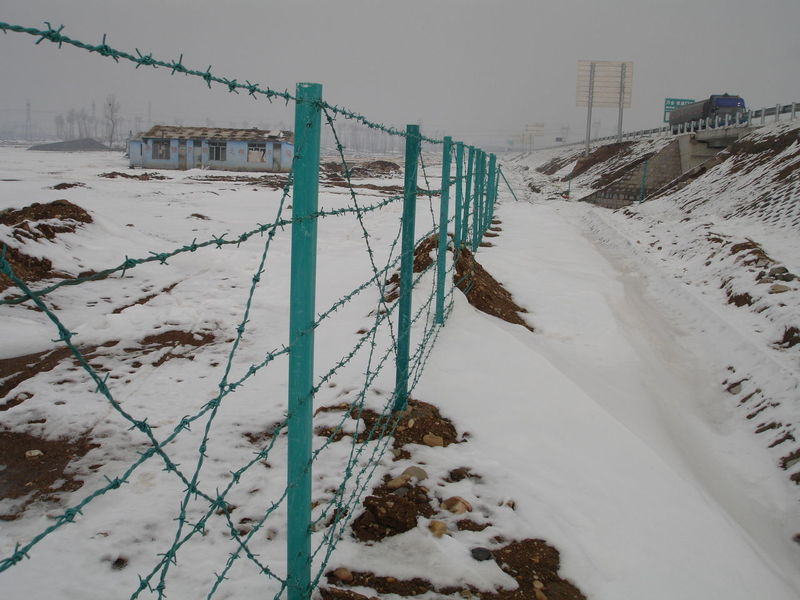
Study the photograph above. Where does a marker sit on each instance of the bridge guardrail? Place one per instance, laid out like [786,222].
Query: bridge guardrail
[792,109]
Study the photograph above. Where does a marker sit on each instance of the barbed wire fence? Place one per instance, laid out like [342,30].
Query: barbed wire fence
[402,334]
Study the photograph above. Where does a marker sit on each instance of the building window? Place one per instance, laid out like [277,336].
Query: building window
[217,150]
[257,152]
[160,149]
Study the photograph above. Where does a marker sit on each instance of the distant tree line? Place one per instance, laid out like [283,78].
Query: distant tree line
[84,123]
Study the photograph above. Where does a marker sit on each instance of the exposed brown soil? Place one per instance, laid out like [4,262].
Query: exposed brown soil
[18,369]
[66,186]
[259,438]
[790,459]
[274,182]
[389,512]
[775,205]
[554,165]
[484,292]
[743,299]
[27,268]
[791,337]
[689,176]
[376,168]
[33,477]
[751,254]
[460,474]
[767,146]
[58,209]
[610,177]
[599,155]
[388,189]
[423,259]
[421,419]
[373,169]
[173,339]
[144,299]
[469,525]
[531,562]
[140,177]
[28,223]
[331,593]
[417,421]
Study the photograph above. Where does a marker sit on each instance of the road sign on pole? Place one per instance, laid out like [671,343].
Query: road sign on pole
[532,130]
[604,83]
[671,104]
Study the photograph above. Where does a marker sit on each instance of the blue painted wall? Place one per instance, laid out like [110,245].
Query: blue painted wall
[141,155]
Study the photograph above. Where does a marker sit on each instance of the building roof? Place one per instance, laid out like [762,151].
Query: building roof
[171,132]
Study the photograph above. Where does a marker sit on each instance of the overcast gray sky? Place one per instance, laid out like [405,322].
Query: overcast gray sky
[469,68]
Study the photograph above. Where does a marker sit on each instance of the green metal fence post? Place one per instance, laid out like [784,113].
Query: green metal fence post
[477,219]
[459,197]
[496,192]
[444,201]
[643,187]
[468,195]
[301,337]
[490,191]
[406,267]
[484,190]
[508,185]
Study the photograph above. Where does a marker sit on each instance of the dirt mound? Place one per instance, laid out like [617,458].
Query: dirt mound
[142,177]
[66,186]
[484,292]
[554,165]
[273,182]
[59,209]
[27,268]
[422,260]
[388,512]
[37,469]
[610,177]
[533,563]
[36,222]
[84,145]
[376,168]
[599,155]
[389,189]
[766,146]
[415,425]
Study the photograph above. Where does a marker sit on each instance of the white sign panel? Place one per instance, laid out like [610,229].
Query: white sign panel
[535,129]
[605,87]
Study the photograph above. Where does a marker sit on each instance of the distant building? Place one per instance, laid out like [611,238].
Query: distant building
[168,147]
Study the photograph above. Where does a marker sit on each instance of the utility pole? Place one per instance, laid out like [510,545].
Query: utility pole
[590,100]
[28,126]
[621,100]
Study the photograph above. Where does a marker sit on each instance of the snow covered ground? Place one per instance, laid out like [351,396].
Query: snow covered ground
[609,427]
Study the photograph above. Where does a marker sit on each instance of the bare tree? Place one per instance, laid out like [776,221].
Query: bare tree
[60,127]
[71,116]
[84,126]
[111,114]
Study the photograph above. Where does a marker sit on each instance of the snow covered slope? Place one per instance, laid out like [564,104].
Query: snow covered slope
[615,430]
